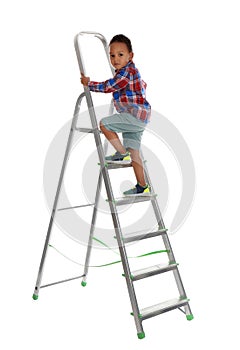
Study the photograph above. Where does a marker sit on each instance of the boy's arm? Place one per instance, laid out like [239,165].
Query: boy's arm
[118,82]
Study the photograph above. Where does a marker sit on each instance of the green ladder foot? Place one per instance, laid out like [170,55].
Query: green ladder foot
[141,335]
[35,297]
[84,284]
[189,317]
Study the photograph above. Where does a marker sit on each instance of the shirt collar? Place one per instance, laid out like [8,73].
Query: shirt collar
[130,63]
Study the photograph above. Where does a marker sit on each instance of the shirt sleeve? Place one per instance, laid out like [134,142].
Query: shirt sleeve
[118,82]
[144,84]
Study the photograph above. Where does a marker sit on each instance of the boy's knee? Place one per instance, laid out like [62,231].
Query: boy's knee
[101,126]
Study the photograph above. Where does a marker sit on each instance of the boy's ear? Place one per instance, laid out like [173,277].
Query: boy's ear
[131,55]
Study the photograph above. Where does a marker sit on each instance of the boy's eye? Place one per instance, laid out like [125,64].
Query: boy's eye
[112,56]
[121,54]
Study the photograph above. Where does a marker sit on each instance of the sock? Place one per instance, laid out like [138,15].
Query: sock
[143,186]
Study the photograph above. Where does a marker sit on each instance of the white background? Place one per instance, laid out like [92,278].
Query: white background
[188,52]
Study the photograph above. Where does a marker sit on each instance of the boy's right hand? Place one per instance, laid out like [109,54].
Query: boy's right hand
[84,80]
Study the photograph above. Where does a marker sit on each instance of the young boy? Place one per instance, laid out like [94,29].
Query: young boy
[133,110]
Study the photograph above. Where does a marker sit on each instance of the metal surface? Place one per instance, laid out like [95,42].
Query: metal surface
[68,147]
[133,199]
[94,217]
[77,48]
[136,236]
[152,271]
[67,280]
[118,166]
[107,182]
[167,244]
[155,310]
[85,130]
[77,206]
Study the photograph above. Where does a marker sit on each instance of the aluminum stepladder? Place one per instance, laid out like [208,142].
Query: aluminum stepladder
[139,315]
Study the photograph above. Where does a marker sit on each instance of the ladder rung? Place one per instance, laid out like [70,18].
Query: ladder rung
[77,206]
[155,310]
[134,199]
[152,270]
[136,236]
[86,130]
[117,166]
[67,280]
[120,165]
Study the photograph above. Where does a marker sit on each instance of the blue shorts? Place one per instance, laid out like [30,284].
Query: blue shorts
[130,127]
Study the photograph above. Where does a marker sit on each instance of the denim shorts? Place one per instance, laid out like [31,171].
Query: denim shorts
[130,127]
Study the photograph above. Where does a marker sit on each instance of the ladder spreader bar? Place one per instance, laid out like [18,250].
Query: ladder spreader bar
[69,279]
[77,206]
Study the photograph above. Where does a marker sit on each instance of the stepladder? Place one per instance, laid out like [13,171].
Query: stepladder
[123,240]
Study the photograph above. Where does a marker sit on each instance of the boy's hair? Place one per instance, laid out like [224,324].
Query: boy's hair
[120,38]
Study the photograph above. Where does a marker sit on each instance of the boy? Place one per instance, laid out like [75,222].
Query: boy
[133,110]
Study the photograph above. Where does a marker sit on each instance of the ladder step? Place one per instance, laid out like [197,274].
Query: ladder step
[86,130]
[158,309]
[117,166]
[152,271]
[134,199]
[136,236]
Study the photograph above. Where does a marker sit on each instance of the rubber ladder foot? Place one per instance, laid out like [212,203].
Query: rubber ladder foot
[35,297]
[141,335]
[189,317]
[84,284]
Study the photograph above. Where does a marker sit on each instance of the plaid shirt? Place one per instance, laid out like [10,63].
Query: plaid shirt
[128,92]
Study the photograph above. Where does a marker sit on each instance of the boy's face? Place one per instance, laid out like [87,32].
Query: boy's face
[119,55]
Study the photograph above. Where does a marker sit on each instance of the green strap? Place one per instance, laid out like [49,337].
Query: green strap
[133,257]
[113,262]
[105,245]
[151,253]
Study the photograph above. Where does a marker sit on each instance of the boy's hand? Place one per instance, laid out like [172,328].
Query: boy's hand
[84,80]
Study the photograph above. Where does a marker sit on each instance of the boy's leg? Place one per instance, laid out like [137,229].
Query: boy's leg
[113,139]
[137,165]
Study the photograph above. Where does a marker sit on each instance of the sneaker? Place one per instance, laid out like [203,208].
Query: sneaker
[119,158]
[138,190]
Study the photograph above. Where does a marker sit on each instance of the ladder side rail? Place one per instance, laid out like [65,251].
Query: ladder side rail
[167,245]
[53,213]
[110,196]
[165,238]
[104,43]
[93,221]
[126,269]
[115,218]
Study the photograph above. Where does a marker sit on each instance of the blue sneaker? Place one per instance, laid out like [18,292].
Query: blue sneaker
[119,158]
[138,190]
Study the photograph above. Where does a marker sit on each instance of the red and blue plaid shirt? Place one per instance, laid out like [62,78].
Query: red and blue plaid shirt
[128,92]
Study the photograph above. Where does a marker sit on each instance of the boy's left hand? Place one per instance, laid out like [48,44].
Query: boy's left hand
[84,80]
